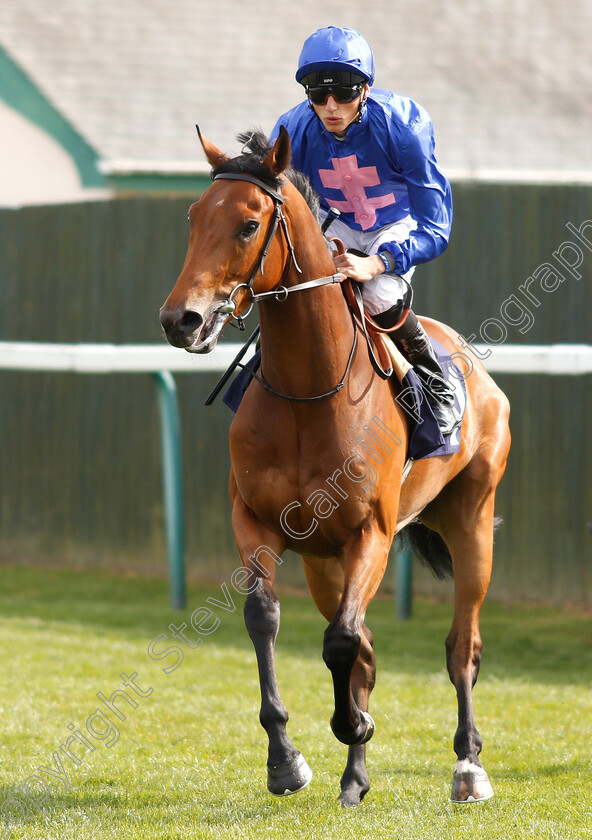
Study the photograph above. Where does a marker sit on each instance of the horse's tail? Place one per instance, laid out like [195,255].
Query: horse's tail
[431,548]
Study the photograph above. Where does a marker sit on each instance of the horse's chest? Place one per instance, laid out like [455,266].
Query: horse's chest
[281,468]
[303,490]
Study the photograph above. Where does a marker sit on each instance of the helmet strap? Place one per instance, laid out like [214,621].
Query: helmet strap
[361,107]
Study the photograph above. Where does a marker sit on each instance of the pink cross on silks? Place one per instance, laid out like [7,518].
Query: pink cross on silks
[348,177]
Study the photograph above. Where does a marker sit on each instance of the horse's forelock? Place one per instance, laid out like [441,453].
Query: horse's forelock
[254,142]
[250,162]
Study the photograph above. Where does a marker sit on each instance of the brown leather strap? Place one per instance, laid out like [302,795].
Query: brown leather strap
[371,325]
[382,365]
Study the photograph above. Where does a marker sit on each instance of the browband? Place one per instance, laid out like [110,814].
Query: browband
[236,176]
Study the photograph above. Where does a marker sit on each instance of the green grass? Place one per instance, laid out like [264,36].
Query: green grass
[190,760]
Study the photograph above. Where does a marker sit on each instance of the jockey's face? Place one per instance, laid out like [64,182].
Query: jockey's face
[338,116]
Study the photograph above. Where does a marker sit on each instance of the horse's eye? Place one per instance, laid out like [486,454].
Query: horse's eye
[248,229]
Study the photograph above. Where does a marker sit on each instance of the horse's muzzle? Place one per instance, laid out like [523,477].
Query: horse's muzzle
[181,326]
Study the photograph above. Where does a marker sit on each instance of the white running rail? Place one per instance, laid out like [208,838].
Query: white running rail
[552,359]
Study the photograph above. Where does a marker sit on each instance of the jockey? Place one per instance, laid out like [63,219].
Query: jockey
[369,153]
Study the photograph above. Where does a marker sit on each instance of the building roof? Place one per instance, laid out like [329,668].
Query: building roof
[508,84]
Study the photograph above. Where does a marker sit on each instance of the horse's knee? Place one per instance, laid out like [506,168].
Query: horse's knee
[262,612]
[341,646]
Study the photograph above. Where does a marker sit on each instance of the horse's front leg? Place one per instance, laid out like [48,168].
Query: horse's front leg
[348,643]
[326,581]
[355,782]
[287,770]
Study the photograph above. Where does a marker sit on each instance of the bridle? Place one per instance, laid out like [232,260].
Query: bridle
[280,293]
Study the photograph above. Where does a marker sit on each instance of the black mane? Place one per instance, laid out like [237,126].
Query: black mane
[249,162]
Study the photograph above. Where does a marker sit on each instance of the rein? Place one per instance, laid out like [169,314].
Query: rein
[260,379]
[280,293]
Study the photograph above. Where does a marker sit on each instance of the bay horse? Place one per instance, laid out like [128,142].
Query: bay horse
[299,478]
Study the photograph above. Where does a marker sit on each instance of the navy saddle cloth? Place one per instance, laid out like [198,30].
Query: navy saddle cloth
[425,437]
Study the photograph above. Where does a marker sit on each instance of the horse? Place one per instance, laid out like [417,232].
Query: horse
[301,443]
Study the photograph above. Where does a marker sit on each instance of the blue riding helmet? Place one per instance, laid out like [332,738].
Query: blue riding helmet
[338,49]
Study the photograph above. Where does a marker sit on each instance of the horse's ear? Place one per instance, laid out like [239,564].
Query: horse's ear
[279,157]
[213,153]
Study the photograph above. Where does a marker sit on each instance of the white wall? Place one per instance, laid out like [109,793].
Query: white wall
[34,168]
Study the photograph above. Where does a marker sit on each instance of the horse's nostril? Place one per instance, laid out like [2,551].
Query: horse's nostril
[190,321]
[180,324]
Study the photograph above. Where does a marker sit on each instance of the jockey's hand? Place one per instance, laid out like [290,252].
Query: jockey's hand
[361,269]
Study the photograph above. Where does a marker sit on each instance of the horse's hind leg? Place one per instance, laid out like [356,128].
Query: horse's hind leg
[463,658]
[287,770]
[469,536]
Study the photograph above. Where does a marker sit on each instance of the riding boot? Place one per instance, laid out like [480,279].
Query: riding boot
[413,342]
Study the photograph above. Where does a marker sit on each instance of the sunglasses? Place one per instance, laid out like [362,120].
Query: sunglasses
[342,93]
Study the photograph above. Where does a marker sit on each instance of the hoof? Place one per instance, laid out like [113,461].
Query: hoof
[368,727]
[470,783]
[290,777]
[353,792]
[347,799]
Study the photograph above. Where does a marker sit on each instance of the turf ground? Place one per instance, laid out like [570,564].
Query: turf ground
[188,761]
